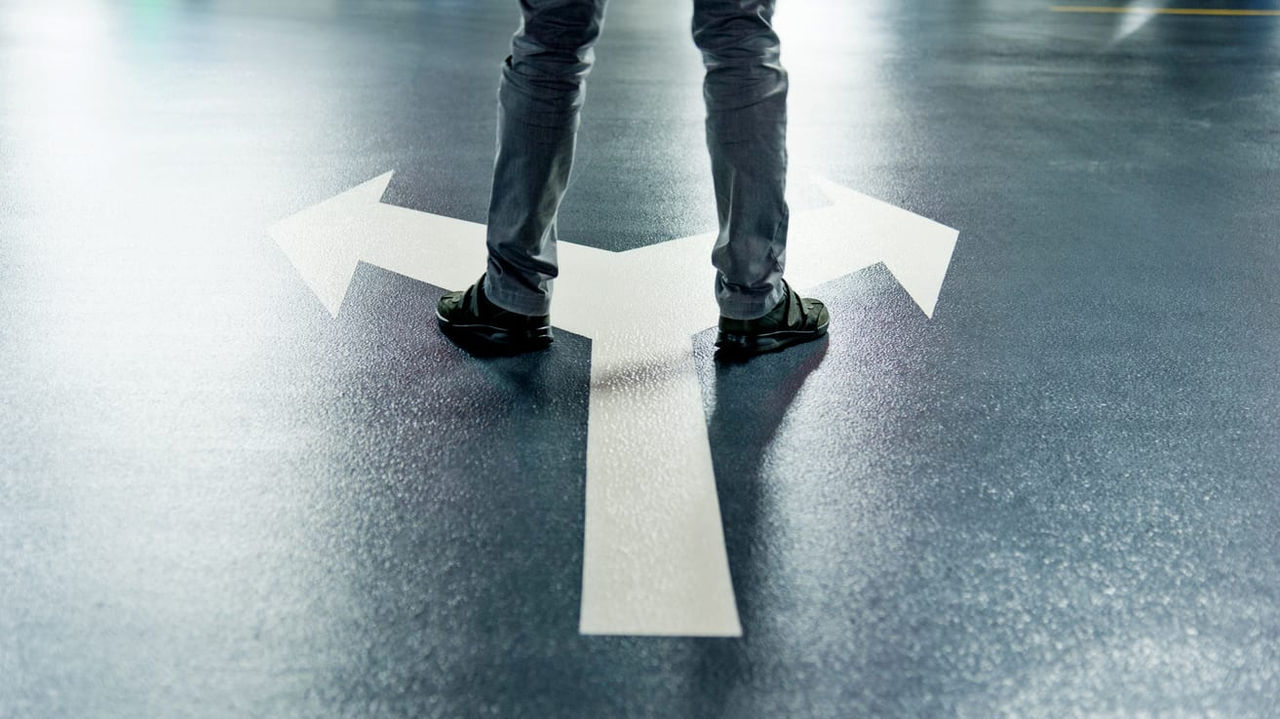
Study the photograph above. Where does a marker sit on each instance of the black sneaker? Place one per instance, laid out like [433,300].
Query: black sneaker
[796,319]
[473,322]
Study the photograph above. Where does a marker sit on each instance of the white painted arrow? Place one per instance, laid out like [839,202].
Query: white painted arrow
[654,561]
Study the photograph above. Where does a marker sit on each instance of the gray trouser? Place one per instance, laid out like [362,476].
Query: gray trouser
[539,98]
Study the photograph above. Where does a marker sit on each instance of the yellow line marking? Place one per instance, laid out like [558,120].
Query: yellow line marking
[1164,11]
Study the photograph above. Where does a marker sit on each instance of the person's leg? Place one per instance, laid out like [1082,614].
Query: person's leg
[746,95]
[539,98]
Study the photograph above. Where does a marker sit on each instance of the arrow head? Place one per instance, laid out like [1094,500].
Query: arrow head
[857,231]
[324,241]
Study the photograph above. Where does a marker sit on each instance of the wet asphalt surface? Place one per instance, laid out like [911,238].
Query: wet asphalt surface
[1057,497]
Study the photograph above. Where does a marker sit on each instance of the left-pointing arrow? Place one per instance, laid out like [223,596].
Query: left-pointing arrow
[326,242]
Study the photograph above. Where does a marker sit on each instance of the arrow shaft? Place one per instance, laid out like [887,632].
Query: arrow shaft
[440,250]
[654,560]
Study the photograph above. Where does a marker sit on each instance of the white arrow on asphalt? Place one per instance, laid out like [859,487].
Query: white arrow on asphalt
[654,560]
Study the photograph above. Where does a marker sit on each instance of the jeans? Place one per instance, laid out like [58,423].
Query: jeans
[539,99]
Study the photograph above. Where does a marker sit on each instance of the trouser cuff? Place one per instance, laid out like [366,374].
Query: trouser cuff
[524,303]
[750,308]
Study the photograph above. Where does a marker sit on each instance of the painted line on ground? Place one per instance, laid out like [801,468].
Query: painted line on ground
[654,559]
[1163,11]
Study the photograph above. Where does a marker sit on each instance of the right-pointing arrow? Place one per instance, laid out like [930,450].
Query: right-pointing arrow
[857,231]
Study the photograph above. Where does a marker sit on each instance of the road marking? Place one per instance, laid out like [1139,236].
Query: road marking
[1163,11]
[654,560]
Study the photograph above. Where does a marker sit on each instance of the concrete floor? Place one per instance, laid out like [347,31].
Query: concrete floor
[1055,497]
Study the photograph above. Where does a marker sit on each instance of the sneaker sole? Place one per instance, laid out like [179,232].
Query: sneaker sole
[743,346]
[494,338]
